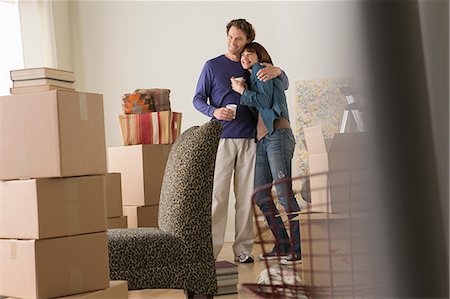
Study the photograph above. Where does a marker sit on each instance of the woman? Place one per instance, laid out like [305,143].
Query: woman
[274,151]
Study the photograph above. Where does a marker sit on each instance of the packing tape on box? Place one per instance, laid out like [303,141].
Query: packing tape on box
[13,250]
[24,163]
[3,272]
[2,209]
[73,206]
[76,280]
[82,99]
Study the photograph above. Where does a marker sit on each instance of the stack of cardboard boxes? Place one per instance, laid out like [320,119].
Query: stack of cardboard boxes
[147,139]
[52,195]
[338,168]
[334,232]
[142,170]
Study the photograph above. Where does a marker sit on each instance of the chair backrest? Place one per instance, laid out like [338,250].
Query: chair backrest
[186,193]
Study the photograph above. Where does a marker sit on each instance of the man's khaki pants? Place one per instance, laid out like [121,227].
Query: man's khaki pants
[236,156]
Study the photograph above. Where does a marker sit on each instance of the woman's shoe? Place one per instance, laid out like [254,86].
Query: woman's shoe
[292,259]
[272,255]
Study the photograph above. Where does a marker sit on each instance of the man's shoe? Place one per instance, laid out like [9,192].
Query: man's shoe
[291,259]
[244,257]
[272,255]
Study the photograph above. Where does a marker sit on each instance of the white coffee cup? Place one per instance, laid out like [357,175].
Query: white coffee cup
[239,78]
[232,107]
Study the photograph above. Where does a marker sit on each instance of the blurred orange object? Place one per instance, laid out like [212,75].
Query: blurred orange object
[137,102]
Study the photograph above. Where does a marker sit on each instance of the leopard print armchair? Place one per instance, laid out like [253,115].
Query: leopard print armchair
[178,254]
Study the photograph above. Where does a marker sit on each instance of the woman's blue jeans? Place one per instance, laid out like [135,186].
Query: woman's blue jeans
[273,165]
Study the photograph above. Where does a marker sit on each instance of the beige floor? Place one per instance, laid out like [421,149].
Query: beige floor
[248,273]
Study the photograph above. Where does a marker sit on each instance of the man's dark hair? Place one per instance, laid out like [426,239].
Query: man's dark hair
[244,26]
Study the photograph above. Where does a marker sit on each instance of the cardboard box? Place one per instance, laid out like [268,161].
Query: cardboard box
[53,207]
[142,168]
[336,251]
[118,289]
[145,216]
[52,134]
[117,222]
[54,267]
[338,171]
[113,194]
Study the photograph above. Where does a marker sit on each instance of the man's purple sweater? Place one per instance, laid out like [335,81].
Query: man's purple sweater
[214,84]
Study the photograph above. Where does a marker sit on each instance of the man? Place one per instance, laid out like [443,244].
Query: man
[236,151]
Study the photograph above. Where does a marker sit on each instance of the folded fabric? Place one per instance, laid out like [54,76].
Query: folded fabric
[137,102]
[161,127]
[160,97]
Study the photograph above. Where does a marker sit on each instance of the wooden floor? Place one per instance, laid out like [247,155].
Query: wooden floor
[248,273]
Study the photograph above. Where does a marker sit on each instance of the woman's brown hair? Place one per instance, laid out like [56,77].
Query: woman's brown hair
[260,51]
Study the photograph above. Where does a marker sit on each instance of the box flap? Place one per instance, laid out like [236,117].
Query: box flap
[17,268]
[19,210]
[328,142]
[29,130]
[314,140]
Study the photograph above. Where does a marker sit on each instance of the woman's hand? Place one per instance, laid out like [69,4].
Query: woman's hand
[238,85]
[268,72]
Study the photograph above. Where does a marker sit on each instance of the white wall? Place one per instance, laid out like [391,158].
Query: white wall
[120,46]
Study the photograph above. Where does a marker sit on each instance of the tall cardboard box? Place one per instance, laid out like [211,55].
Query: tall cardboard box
[338,170]
[144,216]
[336,251]
[51,134]
[53,207]
[54,267]
[113,194]
[142,169]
